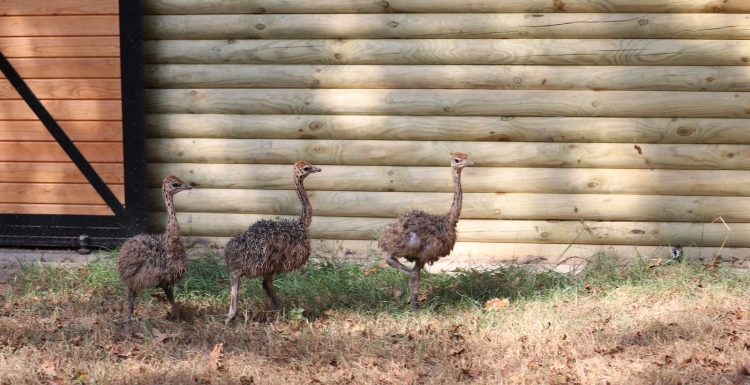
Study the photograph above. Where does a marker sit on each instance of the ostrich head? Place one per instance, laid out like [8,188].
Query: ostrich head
[459,160]
[173,185]
[303,169]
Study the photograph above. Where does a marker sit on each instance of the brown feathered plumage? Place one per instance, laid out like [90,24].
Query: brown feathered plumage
[424,238]
[154,260]
[271,247]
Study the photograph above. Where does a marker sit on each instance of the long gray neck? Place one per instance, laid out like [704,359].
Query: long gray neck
[458,196]
[171,237]
[306,216]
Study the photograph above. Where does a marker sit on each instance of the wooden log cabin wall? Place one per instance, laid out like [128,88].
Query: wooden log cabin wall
[594,125]
[62,139]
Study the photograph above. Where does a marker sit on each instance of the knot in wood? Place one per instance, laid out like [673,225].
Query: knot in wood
[643,22]
[337,56]
[384,4]
[745,59]
[709,79]
[393,24]
[260,26]
[685,131]
[315,125]
[261,10]
[517,80]
[447,109]
[595,104]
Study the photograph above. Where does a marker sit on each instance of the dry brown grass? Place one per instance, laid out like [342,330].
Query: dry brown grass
[680,325]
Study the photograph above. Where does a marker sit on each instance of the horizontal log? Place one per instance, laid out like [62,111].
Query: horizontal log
[47,193]
[478,128]
[426,6]
[619,78]
[92,25]
[58,68]
[60,46]
[65,89]
[424,153]
[475,128]
[20,172]
[595,207]
[77,131]
[52,152]
[64,110]
[55,7]
[661,104]
[54,209]
[473,180]
[475,254]
[630,52]
[487,230]
[448,26]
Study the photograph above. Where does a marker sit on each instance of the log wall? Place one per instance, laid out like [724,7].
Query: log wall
[595,126]
[68,54]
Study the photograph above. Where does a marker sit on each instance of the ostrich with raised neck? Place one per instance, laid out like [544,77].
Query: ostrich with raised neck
[270,247]
[155,260]
[424,238]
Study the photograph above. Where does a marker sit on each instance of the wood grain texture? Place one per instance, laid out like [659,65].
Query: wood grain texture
[597,207]
[66,89]
[61,47]
[475,128]
[60,25]
[474,180]
[431,6]
[630,52]
[494,231]
[426,153]
[56,7]
[448,26]
[54,209]
[97,110]
[47,193]
[77,131]
[597,78]
[662,104]
[21,172]
[58,68]
[52,152]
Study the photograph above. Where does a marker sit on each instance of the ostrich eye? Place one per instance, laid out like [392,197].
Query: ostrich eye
[175,184]
[306,168]
[456,160]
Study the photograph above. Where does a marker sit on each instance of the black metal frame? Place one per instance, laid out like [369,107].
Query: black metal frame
[103,231]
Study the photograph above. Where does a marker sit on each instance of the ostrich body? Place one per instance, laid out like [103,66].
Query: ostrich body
[154,260]
[424,238]
[270,247]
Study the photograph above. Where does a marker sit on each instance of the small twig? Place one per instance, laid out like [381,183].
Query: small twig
[718,253]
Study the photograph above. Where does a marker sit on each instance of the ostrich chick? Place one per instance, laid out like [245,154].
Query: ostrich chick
[154,260]
[270,247]
[421,237]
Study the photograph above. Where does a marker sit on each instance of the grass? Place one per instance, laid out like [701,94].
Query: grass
[346,322]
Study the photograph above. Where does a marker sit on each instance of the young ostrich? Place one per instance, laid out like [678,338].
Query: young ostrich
[421,237]
[271,247]
[154,260]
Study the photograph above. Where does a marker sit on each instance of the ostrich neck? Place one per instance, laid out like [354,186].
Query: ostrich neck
[306,216]
[458,195]
[171,237]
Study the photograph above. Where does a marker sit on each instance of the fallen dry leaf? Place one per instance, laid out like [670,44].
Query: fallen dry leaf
[496,304]
[159,336]
[315,380]
[654,263]
[458,352]
[159,297]
[471,372]
[739,314]
[409,376]
[433,325]
[397,293]
[48,366]
[421,297]
[217,357]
